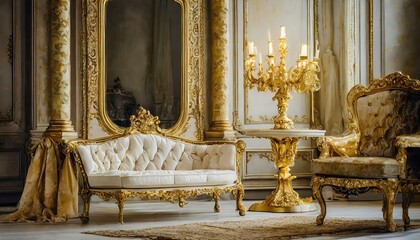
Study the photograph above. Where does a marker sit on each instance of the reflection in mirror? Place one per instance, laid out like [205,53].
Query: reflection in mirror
[143,41]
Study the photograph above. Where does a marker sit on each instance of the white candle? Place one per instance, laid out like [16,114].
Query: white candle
[317,49]
[251,48]
[255,50]
[270,48]
[282,32]
[269,35]
[260,57]
[304,50]
[317,53]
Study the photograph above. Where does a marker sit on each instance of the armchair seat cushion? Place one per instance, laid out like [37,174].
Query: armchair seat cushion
[358,167]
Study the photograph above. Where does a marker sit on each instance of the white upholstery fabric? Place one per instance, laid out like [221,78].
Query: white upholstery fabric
[149,161]
[161,178]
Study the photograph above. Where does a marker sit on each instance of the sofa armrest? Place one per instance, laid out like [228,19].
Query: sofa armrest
[345,145]
[403,142]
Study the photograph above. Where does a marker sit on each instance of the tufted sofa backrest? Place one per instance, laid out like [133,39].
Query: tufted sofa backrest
[384,115]
[138,152]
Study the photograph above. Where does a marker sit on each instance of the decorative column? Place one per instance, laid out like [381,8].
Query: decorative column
[60,125]
[220,126]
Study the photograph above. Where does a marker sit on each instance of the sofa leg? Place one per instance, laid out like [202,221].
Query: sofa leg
[120,196]
[389,190]
[239,194]
[86,206]
[317,194]
[407,195]
[216,202]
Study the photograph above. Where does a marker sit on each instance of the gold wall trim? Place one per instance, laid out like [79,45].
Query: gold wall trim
[93,65]
[196,68]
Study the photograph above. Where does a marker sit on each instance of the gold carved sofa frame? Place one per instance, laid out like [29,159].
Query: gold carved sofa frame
[366,156]
[145,123]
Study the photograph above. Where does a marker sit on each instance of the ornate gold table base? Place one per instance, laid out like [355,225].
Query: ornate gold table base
[284,198]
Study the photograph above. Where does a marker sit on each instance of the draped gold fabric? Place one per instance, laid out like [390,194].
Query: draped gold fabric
[51,189]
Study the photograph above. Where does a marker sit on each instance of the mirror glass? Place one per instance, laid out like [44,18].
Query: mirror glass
[143,49]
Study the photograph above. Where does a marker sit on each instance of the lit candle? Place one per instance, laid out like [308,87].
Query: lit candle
[282,32]
[317,49]
[251,48]
[270,48]
[269,35]
[317,54]
[304,50]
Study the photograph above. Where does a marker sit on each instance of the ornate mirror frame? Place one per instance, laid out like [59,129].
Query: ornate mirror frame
[96,122]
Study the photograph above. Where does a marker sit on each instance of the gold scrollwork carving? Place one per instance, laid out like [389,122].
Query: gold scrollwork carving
[304,155]
[237,125]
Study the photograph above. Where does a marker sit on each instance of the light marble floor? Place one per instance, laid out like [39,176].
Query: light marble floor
[145,214]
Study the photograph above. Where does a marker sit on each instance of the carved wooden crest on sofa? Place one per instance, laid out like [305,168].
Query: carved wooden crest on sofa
[366,157]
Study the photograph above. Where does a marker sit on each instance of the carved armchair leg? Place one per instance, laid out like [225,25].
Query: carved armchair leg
[239,194]
[389,190]
[317,193]
[384,206]
[406,201]
[121,196]
[86,205]
[216,202]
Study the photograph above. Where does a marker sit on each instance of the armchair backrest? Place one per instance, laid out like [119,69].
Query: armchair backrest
[387,108]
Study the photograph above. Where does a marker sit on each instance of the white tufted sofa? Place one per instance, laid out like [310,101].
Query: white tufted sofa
[148,164]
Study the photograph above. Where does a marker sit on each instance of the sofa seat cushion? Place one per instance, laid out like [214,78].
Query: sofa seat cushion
[358,167]
[161,178]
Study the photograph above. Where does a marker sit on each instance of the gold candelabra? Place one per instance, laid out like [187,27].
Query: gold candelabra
[302,77]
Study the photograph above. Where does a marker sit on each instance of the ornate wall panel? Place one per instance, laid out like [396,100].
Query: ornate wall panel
[13,105]
[395,37]
[259,18]
[388,38]
[96,122]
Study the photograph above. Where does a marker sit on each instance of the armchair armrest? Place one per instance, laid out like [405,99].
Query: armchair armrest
[403,142]
[345,145]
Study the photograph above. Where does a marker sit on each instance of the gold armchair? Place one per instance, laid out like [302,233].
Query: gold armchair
[366,157]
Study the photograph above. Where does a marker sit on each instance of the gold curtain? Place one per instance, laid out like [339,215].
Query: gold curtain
[51,187]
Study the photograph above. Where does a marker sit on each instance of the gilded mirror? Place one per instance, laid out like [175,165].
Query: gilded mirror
[143,62]
[97,79]
[143,49]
